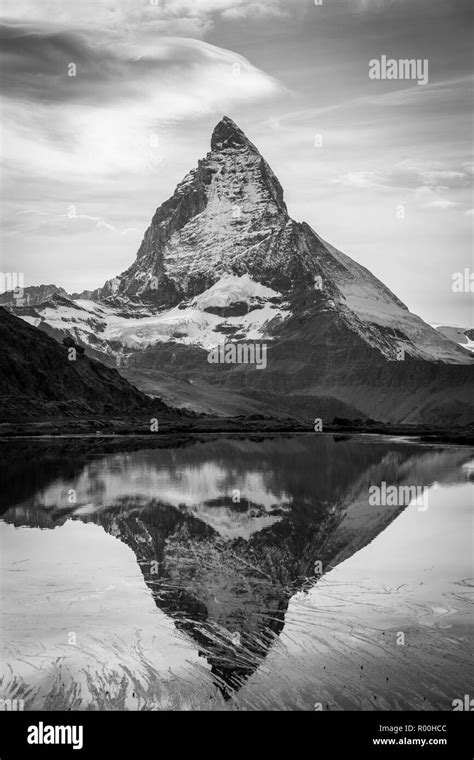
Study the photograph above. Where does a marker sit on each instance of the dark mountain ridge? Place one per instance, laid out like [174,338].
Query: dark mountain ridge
[37,378]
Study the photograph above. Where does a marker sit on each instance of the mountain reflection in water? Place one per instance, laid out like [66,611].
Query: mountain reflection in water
[225,534]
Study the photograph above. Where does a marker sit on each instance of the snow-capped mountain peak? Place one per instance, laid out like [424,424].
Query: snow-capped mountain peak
[223,261]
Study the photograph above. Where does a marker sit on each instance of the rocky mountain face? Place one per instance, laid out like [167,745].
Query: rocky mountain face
[34,295]
[38,378]
[222,262]
[30,296]
[228,217]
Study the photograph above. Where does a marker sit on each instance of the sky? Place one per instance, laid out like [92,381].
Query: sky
[106,105]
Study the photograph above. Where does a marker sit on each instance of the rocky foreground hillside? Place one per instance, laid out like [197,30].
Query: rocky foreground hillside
[37,378]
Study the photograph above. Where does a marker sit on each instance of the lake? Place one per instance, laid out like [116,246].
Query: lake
[237,575]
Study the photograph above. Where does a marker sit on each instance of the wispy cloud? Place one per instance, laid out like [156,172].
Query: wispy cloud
[91,123]
[36,222]
[409,175]
[441,204]
[136,22]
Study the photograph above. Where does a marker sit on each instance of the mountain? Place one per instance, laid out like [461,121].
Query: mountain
[60,317]
[459,335]
[222,262]
[38,378]
[33,295]
[30,296]
[226,230]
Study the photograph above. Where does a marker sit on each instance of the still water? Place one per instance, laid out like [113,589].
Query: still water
[236,574]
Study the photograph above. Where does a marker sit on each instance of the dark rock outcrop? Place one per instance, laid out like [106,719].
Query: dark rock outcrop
[38,378]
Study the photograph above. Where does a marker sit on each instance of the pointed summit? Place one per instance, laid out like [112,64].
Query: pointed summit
[227,134]
[223,262]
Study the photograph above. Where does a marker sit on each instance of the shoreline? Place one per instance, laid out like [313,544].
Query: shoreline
[121,431]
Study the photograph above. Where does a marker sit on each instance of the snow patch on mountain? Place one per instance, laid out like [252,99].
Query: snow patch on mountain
[459,335]
[232,289]
[186,326]
[374,305]
[93,307]
[410,332]
[191,327]
[255,324]
[35,321]
[115,328]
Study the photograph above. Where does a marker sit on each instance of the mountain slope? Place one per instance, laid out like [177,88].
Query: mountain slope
[37,377]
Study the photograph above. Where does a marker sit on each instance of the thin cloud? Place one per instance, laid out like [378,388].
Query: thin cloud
[106,119]
[441,204]
[132,20]
[408,175]
[71,222]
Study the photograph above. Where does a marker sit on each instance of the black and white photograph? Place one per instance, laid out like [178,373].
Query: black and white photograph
[237,370]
